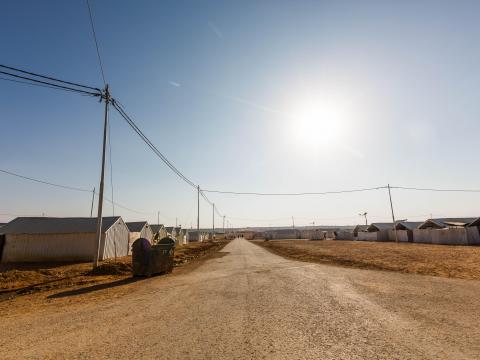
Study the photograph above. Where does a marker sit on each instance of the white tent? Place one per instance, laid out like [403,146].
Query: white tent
[36,239]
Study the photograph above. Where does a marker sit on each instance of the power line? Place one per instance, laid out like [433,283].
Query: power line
[294,194]
[96,42]
[49,78]
[40,85]
[433,189]
[73,188]
[51,84]
[46,182]
[139,132]
[126,208]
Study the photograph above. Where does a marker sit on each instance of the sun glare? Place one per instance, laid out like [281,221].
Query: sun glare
[317,124]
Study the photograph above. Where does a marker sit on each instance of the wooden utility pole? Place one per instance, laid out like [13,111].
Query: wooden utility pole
[393,215]
[93,200]
[98,237]
[224,224]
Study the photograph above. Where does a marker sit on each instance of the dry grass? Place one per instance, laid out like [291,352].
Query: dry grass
[25,278]
[461,262]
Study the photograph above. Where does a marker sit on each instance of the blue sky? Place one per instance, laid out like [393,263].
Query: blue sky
[273,96]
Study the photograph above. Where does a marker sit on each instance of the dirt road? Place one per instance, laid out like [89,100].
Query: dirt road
[252,304]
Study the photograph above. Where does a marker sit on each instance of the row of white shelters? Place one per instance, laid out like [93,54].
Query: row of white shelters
[38,239]
[178,234]
[448,231]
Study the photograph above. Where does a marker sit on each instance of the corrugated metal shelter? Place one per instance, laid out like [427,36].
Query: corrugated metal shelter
[159,231]
[359,228]
[443,223]
[34,239]
[171,231]
[285,234]
[138,229]
[448,231]
[449,236]
[344,235]
[404,231]
[180,236]
[195,236]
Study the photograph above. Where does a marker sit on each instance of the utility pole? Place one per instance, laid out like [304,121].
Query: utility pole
[158,217]
[213,221]
[224,224]
[393,215]
[293,223]
[176,222]
[93,200]
[106,97]
[198,212]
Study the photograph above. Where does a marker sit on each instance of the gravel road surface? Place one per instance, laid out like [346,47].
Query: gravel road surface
[252,304]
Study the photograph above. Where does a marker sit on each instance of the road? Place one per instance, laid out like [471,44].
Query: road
[252,304]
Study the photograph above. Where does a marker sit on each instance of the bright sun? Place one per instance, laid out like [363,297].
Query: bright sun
[317,124]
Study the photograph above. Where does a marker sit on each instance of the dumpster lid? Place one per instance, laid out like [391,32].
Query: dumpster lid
[141,243]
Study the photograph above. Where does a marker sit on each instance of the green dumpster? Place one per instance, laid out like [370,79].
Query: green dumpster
[150,259]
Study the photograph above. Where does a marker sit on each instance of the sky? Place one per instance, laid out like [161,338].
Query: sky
[246,96]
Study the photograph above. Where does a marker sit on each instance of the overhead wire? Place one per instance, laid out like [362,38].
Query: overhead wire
[435,189]
[96,42]
[139,132]
[73,188]
[52,84]
[46,182]
[294,194]
[41,85]
[49,78]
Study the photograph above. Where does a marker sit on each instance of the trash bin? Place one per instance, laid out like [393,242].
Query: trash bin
[152,259]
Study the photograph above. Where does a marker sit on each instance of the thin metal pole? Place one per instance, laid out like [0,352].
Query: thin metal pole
[213,221]
[198,213]
[393,215]
[98,236]
[93,200]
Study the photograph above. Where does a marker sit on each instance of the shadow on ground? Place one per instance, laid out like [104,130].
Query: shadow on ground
[93,288]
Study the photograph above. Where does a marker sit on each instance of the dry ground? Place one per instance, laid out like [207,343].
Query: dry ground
[245,302]
[25,278]
[462,262]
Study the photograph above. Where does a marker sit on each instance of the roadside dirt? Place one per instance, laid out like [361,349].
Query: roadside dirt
[248,303]
[461,262]
[27,278]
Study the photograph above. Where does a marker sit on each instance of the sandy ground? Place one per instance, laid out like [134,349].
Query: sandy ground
[461,262]
[252,304]
[26,278]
